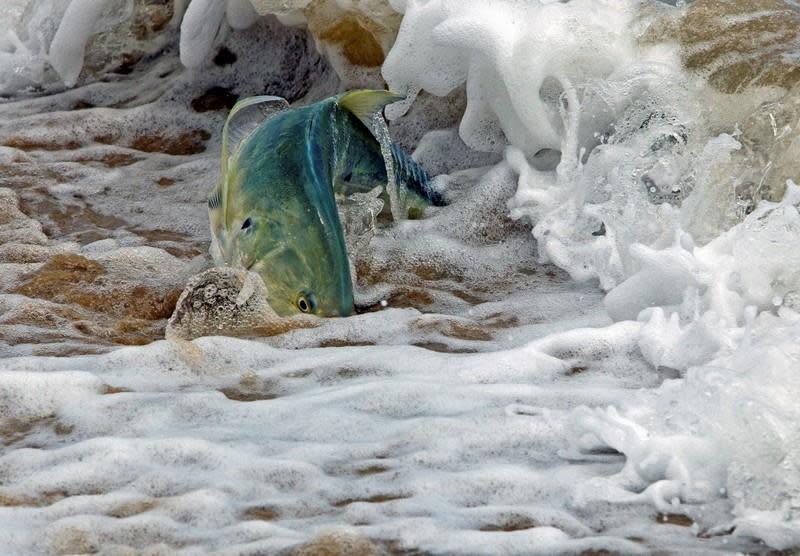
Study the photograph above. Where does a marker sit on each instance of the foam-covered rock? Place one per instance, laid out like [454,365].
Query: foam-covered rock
[230,302]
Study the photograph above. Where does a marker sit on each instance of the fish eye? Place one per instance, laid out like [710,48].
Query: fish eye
[306,302]
[247,223]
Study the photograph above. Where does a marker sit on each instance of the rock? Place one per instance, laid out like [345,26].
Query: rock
[230,302]
[362,31]
[736,44]
[363,34]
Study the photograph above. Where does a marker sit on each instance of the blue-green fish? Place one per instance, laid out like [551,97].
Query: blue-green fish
[274,210]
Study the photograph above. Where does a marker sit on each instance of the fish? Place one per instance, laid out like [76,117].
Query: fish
[274,209]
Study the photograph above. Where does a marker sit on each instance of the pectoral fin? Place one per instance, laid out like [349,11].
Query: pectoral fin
[215,210]
[215,198]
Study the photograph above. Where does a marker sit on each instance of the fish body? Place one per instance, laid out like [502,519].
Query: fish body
[274,211]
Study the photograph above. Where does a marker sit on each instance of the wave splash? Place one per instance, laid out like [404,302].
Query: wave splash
[654,200]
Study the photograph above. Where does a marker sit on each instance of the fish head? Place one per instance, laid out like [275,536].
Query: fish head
[290,246]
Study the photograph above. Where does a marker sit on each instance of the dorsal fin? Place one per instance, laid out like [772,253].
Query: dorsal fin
[365,103]
[245,117]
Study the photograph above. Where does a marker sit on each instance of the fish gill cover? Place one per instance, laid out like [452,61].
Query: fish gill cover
[593,348]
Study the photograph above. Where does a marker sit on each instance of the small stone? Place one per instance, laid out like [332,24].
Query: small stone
[211,305]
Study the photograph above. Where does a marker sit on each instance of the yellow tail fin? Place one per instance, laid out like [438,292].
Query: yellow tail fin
[364,103]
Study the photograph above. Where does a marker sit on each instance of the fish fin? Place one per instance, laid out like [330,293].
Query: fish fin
[215,198]
[243,119]
[414,177]
[215,209]
[365,103]
[245,116]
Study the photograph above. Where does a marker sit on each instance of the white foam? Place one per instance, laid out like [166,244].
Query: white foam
[240,14]
[631,137]
[68,45]
[199,29]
